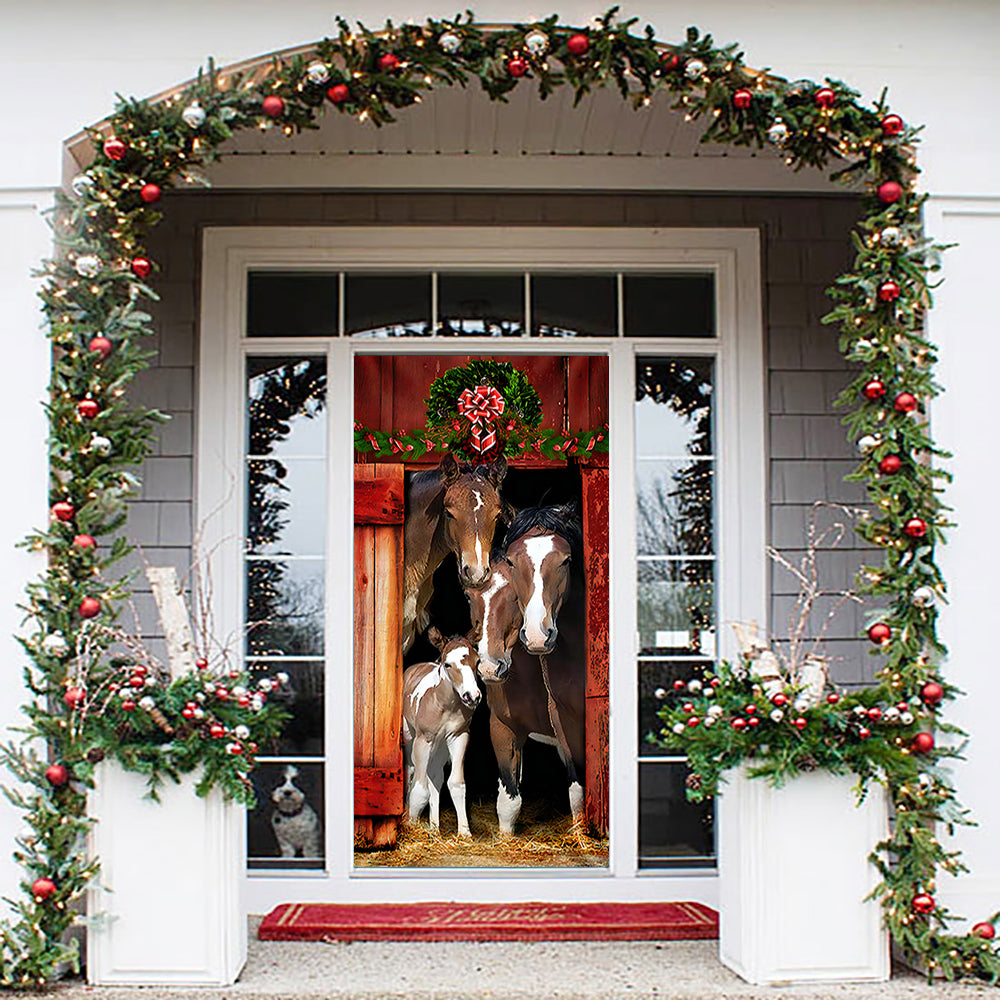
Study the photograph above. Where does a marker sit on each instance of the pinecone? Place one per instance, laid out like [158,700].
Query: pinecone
[95,755]
[808,764]
[693,781]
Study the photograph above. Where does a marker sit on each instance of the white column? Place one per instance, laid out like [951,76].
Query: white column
[964,324]
[25,239]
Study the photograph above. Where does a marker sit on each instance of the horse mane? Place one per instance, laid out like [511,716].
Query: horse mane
[560,519]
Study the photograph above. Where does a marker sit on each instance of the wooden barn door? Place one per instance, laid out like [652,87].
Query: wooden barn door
[378,655]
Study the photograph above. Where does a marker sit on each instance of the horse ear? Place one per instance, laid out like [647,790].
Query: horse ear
[436,638]
[449,469]
[507,512]
[571,509]
[475,634]
[497,471]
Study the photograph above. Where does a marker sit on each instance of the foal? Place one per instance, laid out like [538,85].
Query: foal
[438,702]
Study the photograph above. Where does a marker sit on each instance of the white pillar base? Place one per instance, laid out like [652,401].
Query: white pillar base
[168,896]
[793,874]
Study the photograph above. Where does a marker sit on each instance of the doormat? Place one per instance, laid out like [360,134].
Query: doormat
[489,922]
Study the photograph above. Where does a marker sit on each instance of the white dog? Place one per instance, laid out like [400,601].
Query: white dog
[295,823]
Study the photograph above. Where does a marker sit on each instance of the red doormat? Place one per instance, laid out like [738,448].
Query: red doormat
[489,922]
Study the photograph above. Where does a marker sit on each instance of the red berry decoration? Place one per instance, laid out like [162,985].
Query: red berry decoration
[669,61]
[753,722]
[338,93]
[216,731]
[128,705]
[693,721]
[63,510]
[115,149]
[84,542]
[985,931]
[140,670]
[923,903]
[875,713]
[742,99]
[388,61]
[889,192]
[201,663]
[890,465]
[188,713]
[892,125]
[150,193]
[880,633]
[142,267]
[779,700]
[832,698]
[749,709]
[905,402]
[43,888]
[888,291]
[688,706]
[916,527]
[88,408]
[739,724]
[517,66]
[136,681]
[100,345]
[273,106]
[56,775]
[873,389]
[922,743]
[864,732]
[678,685]
[577,45]
[800,723]
[825,97]
[74,697]
[90,607]
[932,693]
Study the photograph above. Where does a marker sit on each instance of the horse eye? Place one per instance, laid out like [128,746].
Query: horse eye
[448,513]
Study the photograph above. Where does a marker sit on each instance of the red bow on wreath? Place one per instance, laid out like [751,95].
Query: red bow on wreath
[481,408]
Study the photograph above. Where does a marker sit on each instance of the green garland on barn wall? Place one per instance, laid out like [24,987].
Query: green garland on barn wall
[92,298]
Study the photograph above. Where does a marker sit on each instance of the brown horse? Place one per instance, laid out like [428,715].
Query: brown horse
[448,509]
[534,592]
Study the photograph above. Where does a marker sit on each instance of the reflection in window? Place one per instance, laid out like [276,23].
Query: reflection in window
[669,305]
[673,833]
[388,305]
[676,608]
[284,607]
[574,305]
[481,305]
[285,830]
[280,304]
[655,675]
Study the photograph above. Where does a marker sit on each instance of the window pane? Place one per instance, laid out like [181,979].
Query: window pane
[674,507]
[286,406]
[669,305]
[673,412]
[653,675]
[302,696]
[574,305]
[673,833]
[286,507]
[284,607]
[676,608]
[278,834]
[388,305]
[280,304]
[481,305]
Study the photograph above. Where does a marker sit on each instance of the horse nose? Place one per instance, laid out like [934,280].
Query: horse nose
[471,699]
[503,669]
[472,575]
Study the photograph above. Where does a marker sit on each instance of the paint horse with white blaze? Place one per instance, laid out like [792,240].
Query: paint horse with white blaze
[451,508]
[535,687]
[439,700]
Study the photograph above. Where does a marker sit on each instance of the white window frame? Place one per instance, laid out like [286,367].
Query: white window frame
[733,255]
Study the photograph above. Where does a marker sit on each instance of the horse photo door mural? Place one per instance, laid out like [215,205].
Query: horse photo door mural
[481,610]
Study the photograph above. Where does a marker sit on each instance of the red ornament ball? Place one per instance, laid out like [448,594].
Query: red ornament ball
[216,731]
[750,709]
[136,681]
[56,775]
[140,670]
[115,149]
[800,723]
[693,721]
[922,743]
[128,705]
[880,633]
[43,888]
[742,99]
[889,192]
[780,700]
[986,931]
[669,61]
[932,693]
[916,527]
[63,510]
[678,685]
[100,345]
[273,106]
[890,465]
[905,402]
[864,732]
[888,291]
[577,45]
[873,389]
[739,724]
[338,93]
[892,125]
[187,712]
[923,903]
[222,694]
[388,61]
[874,713]
[517,66]
[753,722]
[688,706]
[88,408]
[832,698]
[90,607]
[142,267]
[825,97]
[201,663]
[150,193]
[74,697]
[84,542]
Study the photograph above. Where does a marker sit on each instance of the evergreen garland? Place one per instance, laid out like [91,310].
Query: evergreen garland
[92,297]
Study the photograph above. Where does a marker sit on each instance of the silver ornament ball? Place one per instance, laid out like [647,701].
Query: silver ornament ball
[906,718]
[194,115]
[660,693]
[694,69]
[536,42]
[450,42]
[868,444]
[81,184]
[923,596]
[777,133]
[777,715]
[694,686]
[147,703]
[317,72]
[891,236]
[88,266]
[100,445]
[55,644]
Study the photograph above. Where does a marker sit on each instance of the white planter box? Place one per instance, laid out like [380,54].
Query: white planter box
[793,874]
[168,896]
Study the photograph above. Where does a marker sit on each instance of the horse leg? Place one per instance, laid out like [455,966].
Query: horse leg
[419,792]
[565,752]
[508,750]
[435,779]
[457,745]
